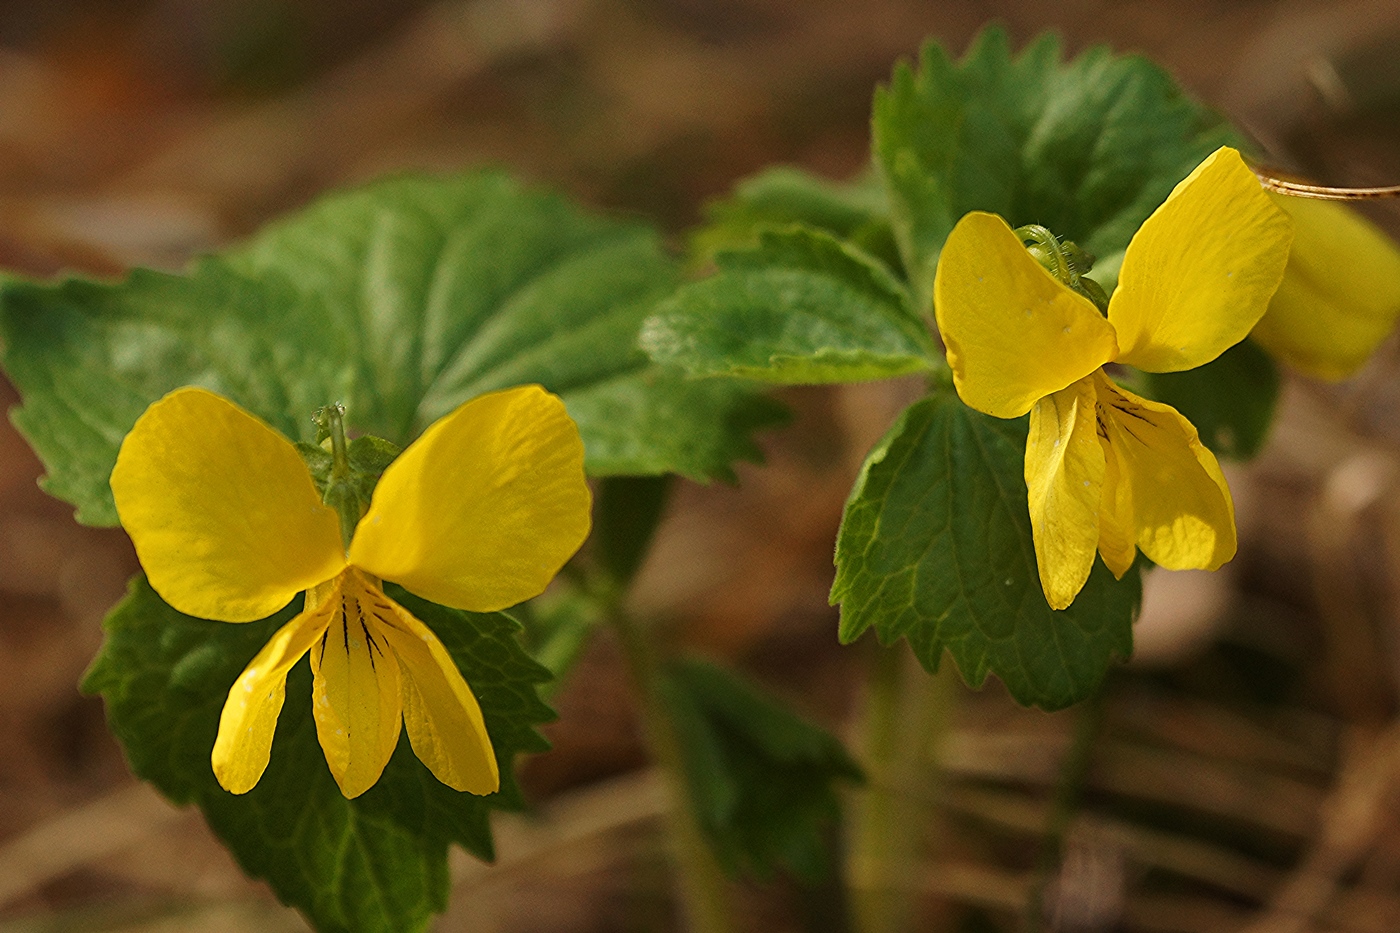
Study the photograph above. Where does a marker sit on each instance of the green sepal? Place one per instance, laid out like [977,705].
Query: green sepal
[763,780]
[1230,400]
[369,457]
[935,546]
[802,307]
[375,864]
[1088,147]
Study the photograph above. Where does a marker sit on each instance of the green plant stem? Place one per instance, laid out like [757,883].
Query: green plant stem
[1074,773]
[907,711]
[703,886]
[340,493]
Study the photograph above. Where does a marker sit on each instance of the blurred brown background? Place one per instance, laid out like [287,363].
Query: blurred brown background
[1246,777]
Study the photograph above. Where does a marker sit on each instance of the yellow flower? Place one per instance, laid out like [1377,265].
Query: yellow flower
[1106,470]
[478,513]
[1340,296]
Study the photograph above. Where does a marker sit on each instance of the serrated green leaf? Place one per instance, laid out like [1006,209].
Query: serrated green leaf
[935,546]
[803,307]
[1088,148]
[644,424]
[401,300]
[89,357]
[782,196]
[762,779]
[1230,400]
[375,863]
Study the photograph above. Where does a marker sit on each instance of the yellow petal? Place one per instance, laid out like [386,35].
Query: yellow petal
[442,716]
[1181,507]
[1014,333]
[1117,536]
[482,510]
[221,509]
[355,693]
[1201,270]
[250,713]
[1064,477]
[1340,294]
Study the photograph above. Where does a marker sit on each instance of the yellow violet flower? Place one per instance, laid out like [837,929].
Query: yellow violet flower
[1340,296]
[1108,471]
[478,513]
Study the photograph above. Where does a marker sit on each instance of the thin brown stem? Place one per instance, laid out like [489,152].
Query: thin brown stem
[1298,189]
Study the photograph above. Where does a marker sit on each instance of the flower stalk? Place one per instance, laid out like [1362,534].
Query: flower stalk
[907,714]
[703,887]
[340,494]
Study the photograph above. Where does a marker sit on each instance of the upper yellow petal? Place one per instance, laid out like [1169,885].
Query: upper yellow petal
[1340,294]
[1014,333]
[249,717]
[1064,479]
[482,510]
[442,716]
[355,694]
[221,508]
[1181,507]
[1201,270]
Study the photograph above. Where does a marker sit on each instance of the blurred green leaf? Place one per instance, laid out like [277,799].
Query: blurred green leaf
[1230,400]
[935,547]
[375,864]
[651,422]
[626,513]
[762,779]
[402,300]
[802,307]
[1088,148]
[784,196]
[558,626]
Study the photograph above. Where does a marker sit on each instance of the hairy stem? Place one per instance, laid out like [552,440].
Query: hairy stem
[340,493]
[1074,772]
[907,711]
[703,887]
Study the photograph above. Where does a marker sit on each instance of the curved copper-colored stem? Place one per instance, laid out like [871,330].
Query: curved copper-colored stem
[1298,189]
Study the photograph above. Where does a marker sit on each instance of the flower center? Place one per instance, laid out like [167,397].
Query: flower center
[356,624]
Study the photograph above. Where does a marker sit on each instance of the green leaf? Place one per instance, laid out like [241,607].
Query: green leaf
[646,425]
[375,864]
[1088,148]
[402,300]
[559,624]
[626,513]
[803,307]
[1230,400]
[935,546]
[783,196]
[762,779]
[88,358]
